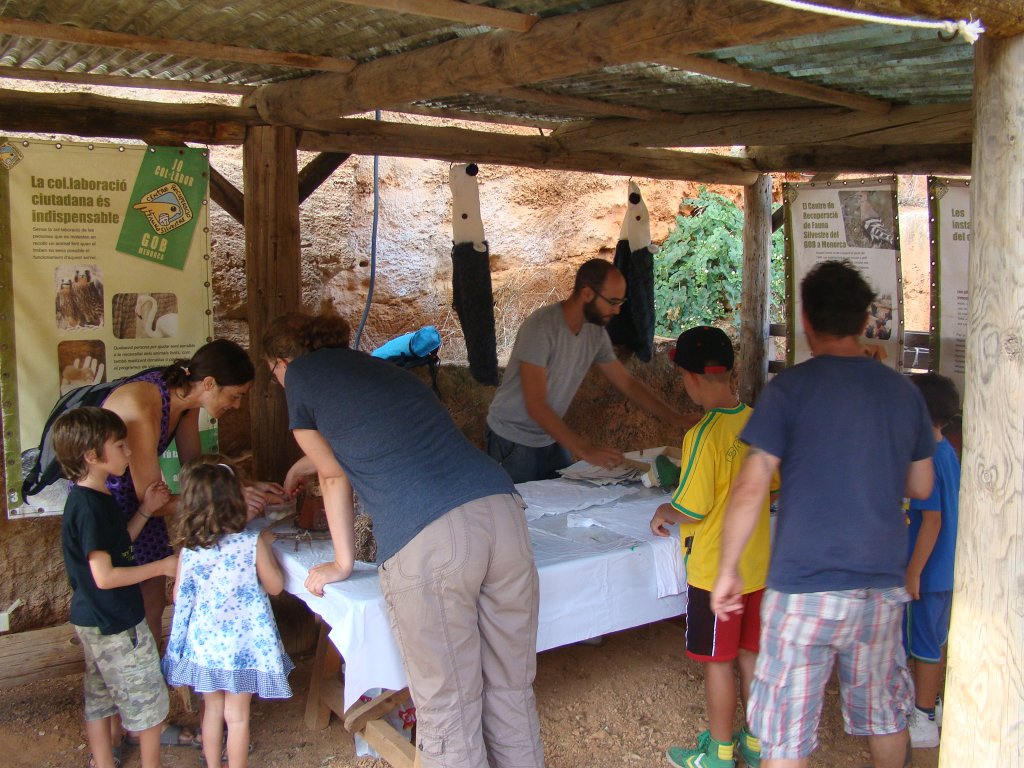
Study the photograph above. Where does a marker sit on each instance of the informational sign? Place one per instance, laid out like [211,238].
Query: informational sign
[949,202]
[855,221]
[104,260]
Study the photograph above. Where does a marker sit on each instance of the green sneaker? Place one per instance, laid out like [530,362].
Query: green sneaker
[708,754]
[750,748]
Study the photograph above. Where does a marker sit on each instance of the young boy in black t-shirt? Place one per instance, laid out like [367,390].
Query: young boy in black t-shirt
[122,664]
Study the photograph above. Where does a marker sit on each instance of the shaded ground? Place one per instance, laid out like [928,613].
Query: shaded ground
[609,706]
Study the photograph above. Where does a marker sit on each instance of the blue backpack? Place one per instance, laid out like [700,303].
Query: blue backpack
[413,349]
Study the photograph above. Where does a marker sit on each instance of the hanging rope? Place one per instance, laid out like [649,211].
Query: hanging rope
[970,31]
[373,243]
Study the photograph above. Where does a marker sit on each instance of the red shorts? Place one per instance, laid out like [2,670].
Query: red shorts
[708,638]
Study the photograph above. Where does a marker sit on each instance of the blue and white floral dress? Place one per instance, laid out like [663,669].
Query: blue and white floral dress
[224,637]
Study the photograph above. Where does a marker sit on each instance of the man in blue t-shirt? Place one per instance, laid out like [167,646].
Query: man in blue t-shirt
[850,438]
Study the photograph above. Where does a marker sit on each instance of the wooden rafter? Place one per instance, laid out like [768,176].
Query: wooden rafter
[774,83]
[187,48]
[929,124]
[559,46]
[450,10]
[594,106]
[158,84]
[954,159]
[317,171]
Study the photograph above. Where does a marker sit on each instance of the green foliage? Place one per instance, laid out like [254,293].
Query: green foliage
[698,272]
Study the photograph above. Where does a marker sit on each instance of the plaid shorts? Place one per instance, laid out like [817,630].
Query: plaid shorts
[122,674]
[802,636]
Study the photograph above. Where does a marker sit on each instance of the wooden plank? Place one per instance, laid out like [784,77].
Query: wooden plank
[46,654]
[465,13]
[925,124]
[116,81]
[227,196]
[559,46]
[367,137]
[984,699]
[187,48]
[774,83]
[1002,18]
[945,159]
[390,744]
[272,259]
[360,714]
[317,171]
[756,291]
[593,106]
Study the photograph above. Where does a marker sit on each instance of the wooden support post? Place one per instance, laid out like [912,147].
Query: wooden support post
[984,711]
[271,188]
[325,692]
[317,171]
[757,258]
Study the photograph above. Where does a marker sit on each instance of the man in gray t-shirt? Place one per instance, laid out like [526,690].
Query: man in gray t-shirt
[554,349]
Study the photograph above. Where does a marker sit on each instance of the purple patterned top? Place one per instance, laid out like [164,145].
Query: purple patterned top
[153,542]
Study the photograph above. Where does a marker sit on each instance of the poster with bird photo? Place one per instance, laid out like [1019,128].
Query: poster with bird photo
[852,220]
[115,239]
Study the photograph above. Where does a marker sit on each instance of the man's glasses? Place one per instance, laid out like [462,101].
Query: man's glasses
[610,302]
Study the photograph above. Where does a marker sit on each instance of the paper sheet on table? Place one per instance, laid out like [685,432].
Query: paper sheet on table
[544,497]
[623,473]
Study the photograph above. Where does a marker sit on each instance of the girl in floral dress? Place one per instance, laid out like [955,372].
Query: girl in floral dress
[224,642]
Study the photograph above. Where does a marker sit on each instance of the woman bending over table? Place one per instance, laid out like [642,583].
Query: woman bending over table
[455,562]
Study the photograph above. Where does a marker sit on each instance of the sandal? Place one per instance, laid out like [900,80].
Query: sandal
[91,763]
[173,735]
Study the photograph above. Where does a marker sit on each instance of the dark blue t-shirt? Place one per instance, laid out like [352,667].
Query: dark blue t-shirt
[937,575]
[398,445]
[93,522]
[846,430]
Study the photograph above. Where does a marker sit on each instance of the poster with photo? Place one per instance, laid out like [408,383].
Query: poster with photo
[855,221]
[949,202]
[104,254]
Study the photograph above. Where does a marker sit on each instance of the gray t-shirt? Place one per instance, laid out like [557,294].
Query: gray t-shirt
[544,339]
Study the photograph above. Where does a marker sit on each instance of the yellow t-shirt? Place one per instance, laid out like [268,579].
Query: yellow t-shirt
[712,457]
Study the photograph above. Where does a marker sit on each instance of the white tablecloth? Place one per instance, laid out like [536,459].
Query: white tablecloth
[601,570]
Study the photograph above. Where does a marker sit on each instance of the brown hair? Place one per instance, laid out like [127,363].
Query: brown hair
[225,361]
[296,334]
[212,504]
[81,430]
[592,274]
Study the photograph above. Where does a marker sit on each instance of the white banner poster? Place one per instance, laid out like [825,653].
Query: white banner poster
[950,204]
[853,221]
[104,259]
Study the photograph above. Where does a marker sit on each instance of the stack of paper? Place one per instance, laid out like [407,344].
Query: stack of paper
[626,472]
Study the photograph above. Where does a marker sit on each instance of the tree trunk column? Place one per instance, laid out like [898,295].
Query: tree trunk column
[757,257]
[985,678]
[272,264]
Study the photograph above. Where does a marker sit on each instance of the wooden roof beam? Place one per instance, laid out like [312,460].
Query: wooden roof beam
[189,48]
[954,159]
[117,81]
[593,106]
[928,124]
[774,83]
[559,46]
[450,10]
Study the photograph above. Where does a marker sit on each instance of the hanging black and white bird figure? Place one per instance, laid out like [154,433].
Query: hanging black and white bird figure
[633,327]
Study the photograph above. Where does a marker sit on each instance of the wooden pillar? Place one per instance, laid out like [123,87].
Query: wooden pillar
[272,266]
[984,712]
[757,258]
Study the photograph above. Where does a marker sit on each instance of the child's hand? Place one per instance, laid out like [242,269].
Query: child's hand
[663,515]
[914,585]
[169,566]
[156,495]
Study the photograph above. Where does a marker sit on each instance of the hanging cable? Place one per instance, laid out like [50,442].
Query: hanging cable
[373,242]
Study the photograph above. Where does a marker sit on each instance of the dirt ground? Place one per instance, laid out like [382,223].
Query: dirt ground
[619,704]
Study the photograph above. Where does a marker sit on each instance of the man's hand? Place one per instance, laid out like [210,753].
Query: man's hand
[601,456]
[156,495]
[80,374]
[324,574]
[727,595]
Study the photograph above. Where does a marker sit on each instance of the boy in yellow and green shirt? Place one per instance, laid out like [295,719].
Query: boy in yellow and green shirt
[712,455]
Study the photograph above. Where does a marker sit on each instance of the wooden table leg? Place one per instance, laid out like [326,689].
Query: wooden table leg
[325,688]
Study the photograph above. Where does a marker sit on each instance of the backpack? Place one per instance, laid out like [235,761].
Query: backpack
[414,349]
[45,469]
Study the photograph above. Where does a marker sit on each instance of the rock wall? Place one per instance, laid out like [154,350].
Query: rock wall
[540,226]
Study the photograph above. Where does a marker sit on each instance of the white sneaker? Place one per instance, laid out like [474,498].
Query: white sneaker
[924,733]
